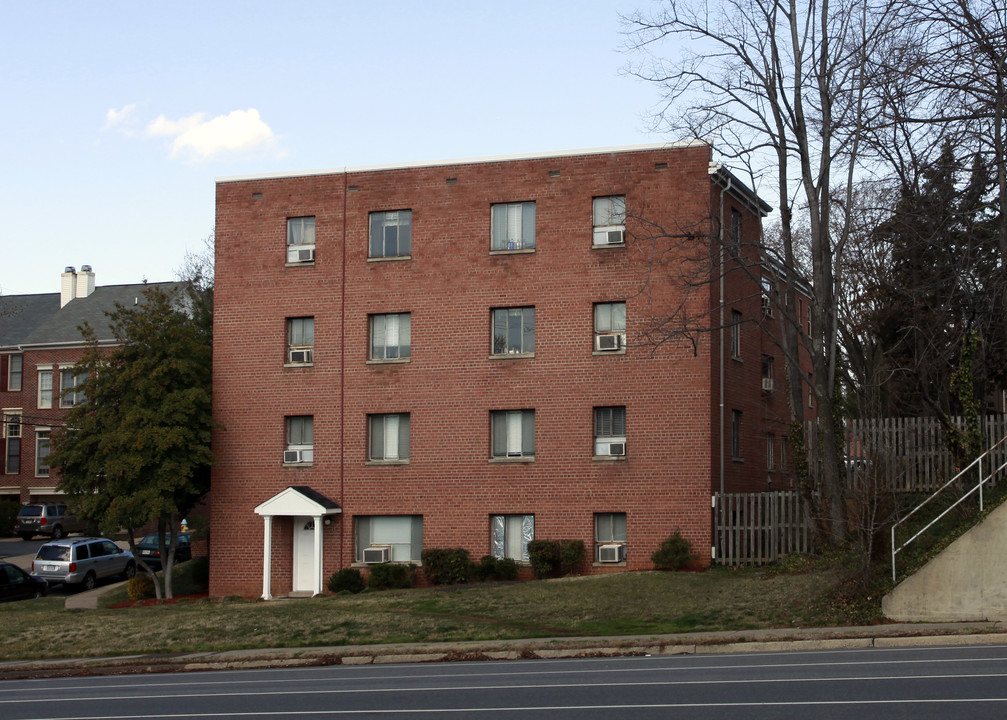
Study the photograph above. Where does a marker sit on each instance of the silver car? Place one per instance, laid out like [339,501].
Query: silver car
[82,561]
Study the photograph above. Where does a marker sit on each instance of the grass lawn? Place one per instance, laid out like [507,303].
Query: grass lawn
[796,595]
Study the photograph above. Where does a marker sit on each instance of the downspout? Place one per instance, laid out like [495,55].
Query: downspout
[723,467]
[342,382]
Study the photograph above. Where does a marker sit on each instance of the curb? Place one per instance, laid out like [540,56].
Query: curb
[697,644]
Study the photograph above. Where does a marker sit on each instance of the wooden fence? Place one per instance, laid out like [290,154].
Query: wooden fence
[758,528]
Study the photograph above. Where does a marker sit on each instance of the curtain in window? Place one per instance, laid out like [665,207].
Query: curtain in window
[513,226]
[610,422]
[510,535]
[513,433]
[610,528]
[610,210]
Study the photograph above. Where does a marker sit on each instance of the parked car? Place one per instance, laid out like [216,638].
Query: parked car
[50,519]
[151,554]
[82,561]
[16,584]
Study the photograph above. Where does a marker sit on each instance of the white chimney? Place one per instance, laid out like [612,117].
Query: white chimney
[85,281]
[68,285]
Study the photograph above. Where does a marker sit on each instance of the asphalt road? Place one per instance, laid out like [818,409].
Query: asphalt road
[945,682]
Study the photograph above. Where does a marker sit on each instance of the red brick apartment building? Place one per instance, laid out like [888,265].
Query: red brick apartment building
[451,355]
[40,341]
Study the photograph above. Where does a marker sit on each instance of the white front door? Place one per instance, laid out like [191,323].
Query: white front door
[304,554]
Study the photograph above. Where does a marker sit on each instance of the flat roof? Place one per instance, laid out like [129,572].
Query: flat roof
[469,161]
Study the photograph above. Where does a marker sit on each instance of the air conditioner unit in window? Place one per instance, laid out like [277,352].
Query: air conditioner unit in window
[617,448]
[301,356]
[297,254]
[767,306]
[768,384]
[611,553]
[298,456]
[377,555]
[608,342]
[609,236]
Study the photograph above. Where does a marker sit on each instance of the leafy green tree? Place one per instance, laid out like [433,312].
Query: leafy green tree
[138,449]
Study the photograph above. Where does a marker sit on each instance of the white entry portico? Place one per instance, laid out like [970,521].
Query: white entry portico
[309,510]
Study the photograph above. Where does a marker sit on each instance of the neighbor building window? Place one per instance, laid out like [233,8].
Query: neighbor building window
[513,331]
[510,535]
[71,388]
[783,452]
[736,335]
[736,434]
[391,234]
[390,336]
[609,326]
[300,439]
[735,229]
[513,433]
[301,239]
[513,226]
[388,437]
[14,370]
[609,220]
[301,340]
[770,450]
[768,378]
[12,437]
[402,535]
[610,431]
[42,452]
[45,388]
[610,537]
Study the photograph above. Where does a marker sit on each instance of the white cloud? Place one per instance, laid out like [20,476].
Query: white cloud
[237,131]
[114,118]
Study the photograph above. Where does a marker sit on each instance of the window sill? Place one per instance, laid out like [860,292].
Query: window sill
[609,458]
[386,462]
[300,264]
[393,361]
[297,465]
[389,259]
[512,356]
[298,365]
[516,251]
[601,564]
[522,459]
[358,564]
[599,353]
[608,245]
[737,359]
[738,460]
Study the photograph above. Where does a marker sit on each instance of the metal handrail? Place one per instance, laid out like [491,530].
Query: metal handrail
[979,486]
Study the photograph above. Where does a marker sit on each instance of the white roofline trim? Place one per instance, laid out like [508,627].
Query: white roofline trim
[468,161]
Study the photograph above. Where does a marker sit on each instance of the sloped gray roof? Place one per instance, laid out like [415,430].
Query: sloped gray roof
[20,315]
[63,324]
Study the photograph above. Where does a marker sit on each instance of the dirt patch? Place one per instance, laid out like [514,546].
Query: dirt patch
[147,602]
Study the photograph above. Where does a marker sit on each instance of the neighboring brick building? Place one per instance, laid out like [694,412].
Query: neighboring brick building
[452,355]
[40,341]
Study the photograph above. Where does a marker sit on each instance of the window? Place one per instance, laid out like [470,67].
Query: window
[388,437]
[610,431]
[609,326]
[390,337]
[42,452]
[391,234]
[609,220]
[736,335]
[14,372]
[401,534]
[770,449]
[514,331]
[45,388]
[300,439]
[301,239]
[71,388]
[513,433]
[610,537]
[513,226]
[736,434]
[811,390]
[768,296]
[510,535]
[783,452]
[768,379]
[300,340]
[12,436]
[735,230]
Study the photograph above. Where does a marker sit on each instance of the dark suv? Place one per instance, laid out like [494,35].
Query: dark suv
[82,561]
[50,519]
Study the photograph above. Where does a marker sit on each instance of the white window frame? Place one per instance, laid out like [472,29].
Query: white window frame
[608,215]
[42,442]
[301,339]
[609,429]
[736,320]
[512,319]
[512,227]
[770,449]
[610,319]
[388,438]
[768,373]
[300,237]
[610,529]
[510,535]
[300,436]
[12,373]
[512,434]
[390,337]
[76,395]
[13,435]
[401,534]
[45,380]
[382,225]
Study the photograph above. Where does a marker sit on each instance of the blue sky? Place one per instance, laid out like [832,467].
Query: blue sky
[118,116]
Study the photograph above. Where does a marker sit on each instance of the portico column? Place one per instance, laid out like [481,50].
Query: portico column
[318,554]
[267,556]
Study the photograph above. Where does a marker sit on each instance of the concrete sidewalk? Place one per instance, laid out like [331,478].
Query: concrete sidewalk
[781,640]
